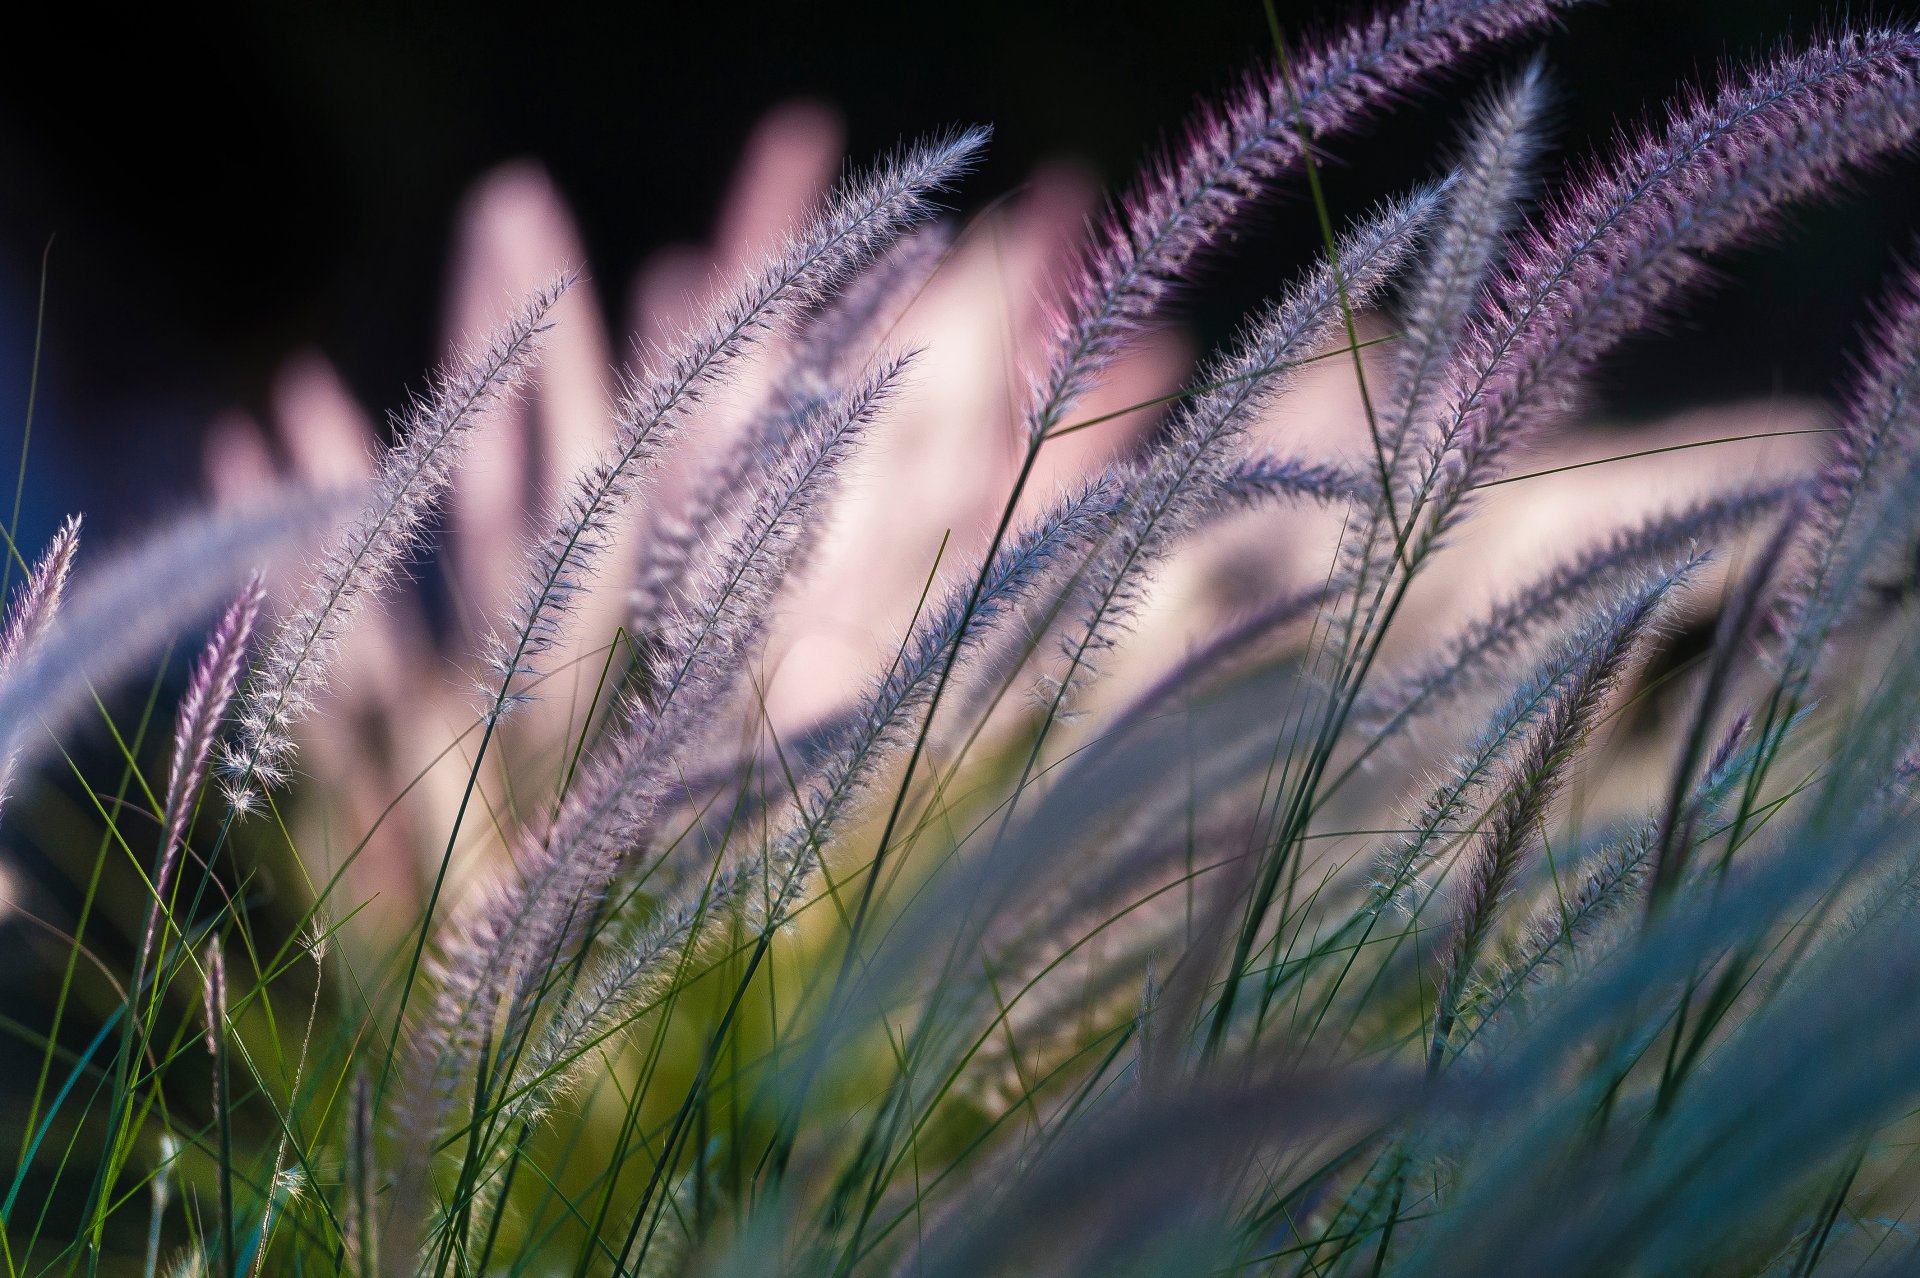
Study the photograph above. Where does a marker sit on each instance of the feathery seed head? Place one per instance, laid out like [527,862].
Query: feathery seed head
[38,598]
[1234,154]
[1627,238]
[1193,473]
[860,219]
[31,614]
[364,557]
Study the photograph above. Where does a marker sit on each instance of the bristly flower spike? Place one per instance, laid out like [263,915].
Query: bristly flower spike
[1234,154]
[1466,660]
[508,946]
[366,555]
[766,886]
[1628,239]
[830,348]
[1483,203]
[215,679]
[1494,858]
[1170,489]
[33,608]
[860,220]
[38,598]
[1877,430]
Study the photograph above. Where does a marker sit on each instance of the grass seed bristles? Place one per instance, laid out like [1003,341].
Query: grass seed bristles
[619,985]
[1256,482]
[1539,773]
[31,613]
[1177,482]
[1560,930]
[1878,429]
[1471,658]
[1236,152]
[1627,239]
[830,347]
[510,947]
[1483,204]
[860,220]
[408,486]
[203,708]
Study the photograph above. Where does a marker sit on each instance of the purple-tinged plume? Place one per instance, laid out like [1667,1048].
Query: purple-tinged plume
[1172,487]
[1493,859]
[32,612]
[830,349]
[1483,203]
[1484,200]
[506,949]
[38,598]
[1432,829]
[860,220]
[1235,153]
[1256,482]
[31,615]
[1877,432]
[1627,239]
[1563,927]
[216,677]
[366,555]
[766,885]
[1466,660]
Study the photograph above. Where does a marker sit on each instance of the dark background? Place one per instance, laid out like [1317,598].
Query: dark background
[226,187]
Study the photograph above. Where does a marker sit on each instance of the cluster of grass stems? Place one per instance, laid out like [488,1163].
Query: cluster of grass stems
[1298,961]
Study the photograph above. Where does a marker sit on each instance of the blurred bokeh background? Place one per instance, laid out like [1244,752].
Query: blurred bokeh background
[227,186]
[217,192]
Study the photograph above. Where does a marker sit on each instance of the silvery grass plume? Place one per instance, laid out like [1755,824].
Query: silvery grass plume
[1565,933]
[763,887]
[828,347]
[203,708]
[1438,822]
[122,612]
[1470,659]
[1172,488]
[511,946]
[361,560]
[1255,483]
[1236,152]
[860,220]
[1493,860]
[32,612]
[1877,432]
[1485,201]
[1627,239]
